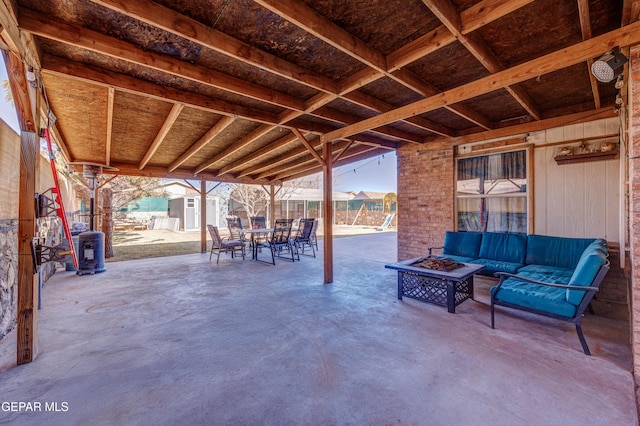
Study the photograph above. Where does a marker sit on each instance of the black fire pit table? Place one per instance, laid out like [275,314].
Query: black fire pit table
[438,281]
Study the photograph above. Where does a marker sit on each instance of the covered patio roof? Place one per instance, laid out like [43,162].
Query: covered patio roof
[250,90]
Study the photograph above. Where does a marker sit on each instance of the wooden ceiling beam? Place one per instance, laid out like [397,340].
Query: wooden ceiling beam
[345,118]
[336,156]
[176,109]
[523,98]
[173,22]
[272,163]
[419,48]
[43,26]
[54,132]
[554,61]
[585,27]
[166,19]
[351,156]
[532,126]
[235,147]
[268,168]
[217,128]
[20,91]
[307,145]
[372,141]
[309,163]
[412,81]
[630,11]
[304,17]
[486,12]
[60,142]
[378,105]
[285,140]
[56,65]
[183,26]
[127,169]
[446,12]
[109,136]
[480,14]
[359,79]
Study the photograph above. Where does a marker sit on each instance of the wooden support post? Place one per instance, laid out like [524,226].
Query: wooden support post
[27,316]
[272,205]
[327,175]
[203,216]
[25,99]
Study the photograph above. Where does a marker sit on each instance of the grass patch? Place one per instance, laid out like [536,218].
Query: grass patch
[143,251]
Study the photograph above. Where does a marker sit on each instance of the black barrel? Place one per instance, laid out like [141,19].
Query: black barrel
[91,253]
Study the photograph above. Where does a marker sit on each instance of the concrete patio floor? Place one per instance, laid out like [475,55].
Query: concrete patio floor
[179,340]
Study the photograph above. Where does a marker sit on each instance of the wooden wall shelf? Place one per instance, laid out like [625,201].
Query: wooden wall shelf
[589,156]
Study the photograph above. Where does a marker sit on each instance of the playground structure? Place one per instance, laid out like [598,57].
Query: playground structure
[368,209]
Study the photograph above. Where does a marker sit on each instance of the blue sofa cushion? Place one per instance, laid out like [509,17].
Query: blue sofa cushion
[504,247]
[560,252]
[546,299]
[586,271]
[492,266]
[548,274]
[466,244]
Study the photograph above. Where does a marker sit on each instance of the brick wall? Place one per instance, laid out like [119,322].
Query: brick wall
[634,175]
[425,199]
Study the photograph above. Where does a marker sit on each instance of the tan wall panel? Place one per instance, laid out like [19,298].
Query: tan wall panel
[10,175]
[576,200]
[9,171]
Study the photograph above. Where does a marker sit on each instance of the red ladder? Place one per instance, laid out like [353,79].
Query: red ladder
[58,199]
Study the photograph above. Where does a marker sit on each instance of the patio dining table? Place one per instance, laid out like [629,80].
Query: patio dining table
[255,235]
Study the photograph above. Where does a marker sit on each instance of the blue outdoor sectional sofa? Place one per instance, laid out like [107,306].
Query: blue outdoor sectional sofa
[552,276]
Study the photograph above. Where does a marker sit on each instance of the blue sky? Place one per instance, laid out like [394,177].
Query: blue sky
[375,174]
[7,110]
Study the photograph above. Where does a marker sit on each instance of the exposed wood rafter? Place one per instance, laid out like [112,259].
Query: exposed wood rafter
[449,16]
[548,63]
[176,109]
[111,93]
[202,142]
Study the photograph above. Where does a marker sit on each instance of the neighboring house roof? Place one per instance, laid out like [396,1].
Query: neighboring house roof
[178,189]
[370,195]
[309,194]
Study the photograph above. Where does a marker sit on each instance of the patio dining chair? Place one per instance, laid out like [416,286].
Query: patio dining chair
[314,237]
[220,244]
[257,222]
[303,239]
[280,241]
[235,228]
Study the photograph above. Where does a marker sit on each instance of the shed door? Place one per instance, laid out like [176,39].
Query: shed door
[190,212]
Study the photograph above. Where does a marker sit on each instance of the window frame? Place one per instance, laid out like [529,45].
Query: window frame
[529,178]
